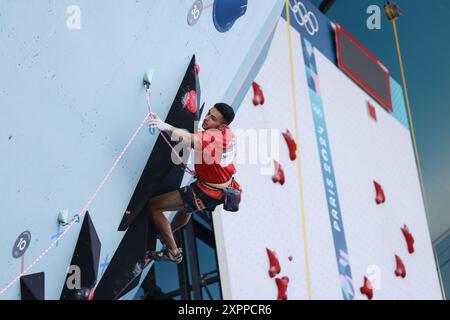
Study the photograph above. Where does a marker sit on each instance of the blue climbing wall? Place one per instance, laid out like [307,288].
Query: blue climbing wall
[71,98]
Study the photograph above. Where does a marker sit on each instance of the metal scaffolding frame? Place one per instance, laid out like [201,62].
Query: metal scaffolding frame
[191,280]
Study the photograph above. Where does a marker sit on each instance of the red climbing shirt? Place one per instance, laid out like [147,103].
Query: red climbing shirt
[215,162]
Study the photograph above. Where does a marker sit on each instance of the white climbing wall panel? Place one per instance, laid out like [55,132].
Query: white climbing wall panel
[359,151]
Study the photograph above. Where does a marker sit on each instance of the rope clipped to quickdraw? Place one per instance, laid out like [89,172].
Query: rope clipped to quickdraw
[147,83]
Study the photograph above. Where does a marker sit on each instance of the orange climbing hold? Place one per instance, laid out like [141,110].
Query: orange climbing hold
[258,95]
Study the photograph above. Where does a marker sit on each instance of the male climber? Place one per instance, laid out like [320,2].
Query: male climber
[214,150]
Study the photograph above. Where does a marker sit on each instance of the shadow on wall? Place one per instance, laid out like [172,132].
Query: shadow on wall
[226,12]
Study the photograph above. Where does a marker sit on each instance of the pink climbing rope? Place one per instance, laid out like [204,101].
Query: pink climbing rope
[82,212]
[94,195]
[189,171]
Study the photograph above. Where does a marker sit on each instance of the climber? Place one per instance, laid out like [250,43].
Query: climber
[214,150]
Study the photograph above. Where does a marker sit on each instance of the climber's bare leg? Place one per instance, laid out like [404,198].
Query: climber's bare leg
[170,201]
[180,220]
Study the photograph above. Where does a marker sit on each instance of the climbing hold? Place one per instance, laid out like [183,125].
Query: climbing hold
[149,182]
[275,267]
[367,289]
[290,258]
[400,270]
[226,12]
[197,69]
[380,197]
[291,145]
[282,284]
[76,218]
[278,177]
[409,238]
[147,80]
[372,111]
[189,101]
[63,216]
[258,95]
[272,272]
[86,256]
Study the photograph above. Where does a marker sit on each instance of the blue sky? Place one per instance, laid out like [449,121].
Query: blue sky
[424,33]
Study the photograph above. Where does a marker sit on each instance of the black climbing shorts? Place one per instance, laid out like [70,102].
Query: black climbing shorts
[195,199]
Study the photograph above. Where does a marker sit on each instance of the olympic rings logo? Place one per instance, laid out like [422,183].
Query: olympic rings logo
[305,18]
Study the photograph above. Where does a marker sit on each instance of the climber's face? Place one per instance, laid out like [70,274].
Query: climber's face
[213,120]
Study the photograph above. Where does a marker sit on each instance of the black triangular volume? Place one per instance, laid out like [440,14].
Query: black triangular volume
[32,286]
[86,257]
[159,163]
[130,286]
[127,262]
[151,246]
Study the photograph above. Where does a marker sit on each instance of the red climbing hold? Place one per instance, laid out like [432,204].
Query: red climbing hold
[372,111]
[291,145]
[380,198]
[197,69]
[190,101]
[400,270]
[367,288]
[272,272]
[409,238]
[274,263]
[282,284]
[278,177]
[258,95]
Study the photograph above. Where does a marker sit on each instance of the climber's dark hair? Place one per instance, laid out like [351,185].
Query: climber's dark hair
[226,111]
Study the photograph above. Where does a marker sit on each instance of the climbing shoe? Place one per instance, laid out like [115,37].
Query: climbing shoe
[166,255]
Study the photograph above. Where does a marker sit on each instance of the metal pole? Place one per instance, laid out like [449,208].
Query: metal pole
[183,279]
[193,261]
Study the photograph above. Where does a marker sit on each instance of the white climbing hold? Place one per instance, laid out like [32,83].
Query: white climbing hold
[148,78]
[63,216]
